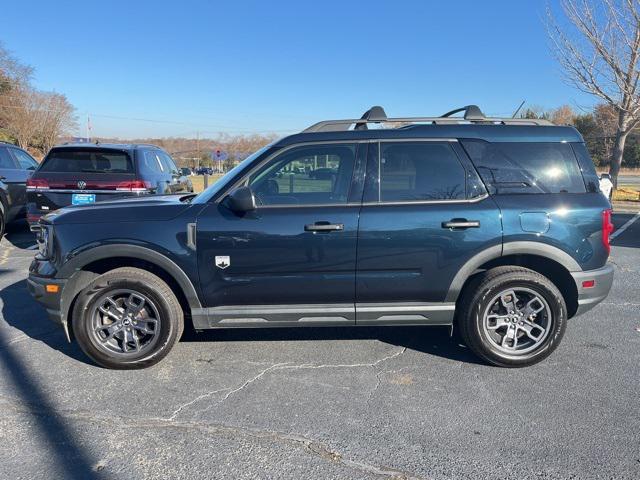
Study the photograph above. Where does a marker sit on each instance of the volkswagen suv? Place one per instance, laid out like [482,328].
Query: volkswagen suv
[85,173]
[495,227]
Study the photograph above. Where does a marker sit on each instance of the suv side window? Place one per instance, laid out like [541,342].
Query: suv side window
[526,167]
[167,162]
[306,175]
[420,171]
[151,163]
[25,160]
[6,160]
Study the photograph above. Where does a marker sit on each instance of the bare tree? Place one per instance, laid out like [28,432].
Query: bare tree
[57,118]
[12,72]
[599,54]
[21,114]
[563,115]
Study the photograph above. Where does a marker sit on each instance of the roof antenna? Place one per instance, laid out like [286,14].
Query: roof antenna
[518,109]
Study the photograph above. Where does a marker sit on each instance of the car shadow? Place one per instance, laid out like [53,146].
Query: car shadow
[430,340]
[19,235]
[68,452]
[21,312]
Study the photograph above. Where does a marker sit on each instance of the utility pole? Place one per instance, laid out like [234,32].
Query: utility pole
[197,150]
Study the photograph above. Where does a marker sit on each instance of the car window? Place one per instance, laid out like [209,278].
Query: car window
[167,162]
[151,163]
[6,161]
[92,160]
[307,175]
[526,167]
[25,160]
[420,171]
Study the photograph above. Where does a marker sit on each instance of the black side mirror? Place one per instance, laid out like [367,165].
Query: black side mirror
[241,200]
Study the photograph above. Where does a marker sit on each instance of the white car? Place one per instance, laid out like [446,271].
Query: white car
[606,185]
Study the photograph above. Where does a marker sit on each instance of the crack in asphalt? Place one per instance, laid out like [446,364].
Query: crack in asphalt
[308,445]
[284,366]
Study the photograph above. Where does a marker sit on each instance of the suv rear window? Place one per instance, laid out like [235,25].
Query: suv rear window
[87,161]
[526,167]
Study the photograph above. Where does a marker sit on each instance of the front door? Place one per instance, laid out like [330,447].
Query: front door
[425,213]
[293,259]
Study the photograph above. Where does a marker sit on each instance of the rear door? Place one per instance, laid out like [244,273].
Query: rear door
[293,260]
[26,165]
[177,181]
[425,213]
[14,178]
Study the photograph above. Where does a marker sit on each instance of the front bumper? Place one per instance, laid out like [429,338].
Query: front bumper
[51,301]
[591,296]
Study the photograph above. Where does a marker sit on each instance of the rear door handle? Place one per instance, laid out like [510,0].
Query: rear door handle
[323,227]
[461,223]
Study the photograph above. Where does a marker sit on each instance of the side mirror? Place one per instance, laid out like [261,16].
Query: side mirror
[241,200]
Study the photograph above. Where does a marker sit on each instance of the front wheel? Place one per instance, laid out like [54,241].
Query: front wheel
[127,318]
[512,317]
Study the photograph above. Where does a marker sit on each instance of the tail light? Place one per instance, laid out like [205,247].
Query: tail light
[37,184]
[134,186]
[607,229]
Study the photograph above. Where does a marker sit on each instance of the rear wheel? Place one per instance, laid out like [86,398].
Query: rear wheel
[512,317]
[127,318]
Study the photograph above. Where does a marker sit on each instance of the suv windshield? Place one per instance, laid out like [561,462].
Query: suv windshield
[91,160]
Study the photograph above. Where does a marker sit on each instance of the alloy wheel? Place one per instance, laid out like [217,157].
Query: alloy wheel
[125,322]
[517,321]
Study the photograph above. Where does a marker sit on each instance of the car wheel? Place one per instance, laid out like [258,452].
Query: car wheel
[512,317]
[127,318]
[2,224]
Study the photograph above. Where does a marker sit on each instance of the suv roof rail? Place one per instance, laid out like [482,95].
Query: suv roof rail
[376,114]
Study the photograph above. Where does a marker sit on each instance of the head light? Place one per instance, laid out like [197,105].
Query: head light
[43,239]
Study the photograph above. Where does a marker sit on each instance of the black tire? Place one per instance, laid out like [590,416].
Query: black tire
[480,295]
[145,284]
[2,224]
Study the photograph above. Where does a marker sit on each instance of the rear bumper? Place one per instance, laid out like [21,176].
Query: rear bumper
[591,296]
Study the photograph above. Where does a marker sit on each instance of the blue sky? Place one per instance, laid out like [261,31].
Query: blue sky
[269,66]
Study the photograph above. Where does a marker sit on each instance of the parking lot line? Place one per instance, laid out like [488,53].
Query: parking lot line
[625,226]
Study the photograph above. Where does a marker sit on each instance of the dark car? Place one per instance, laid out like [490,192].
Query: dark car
[322,173]
[495,227]
[204,171]
[80,174]
[16,166]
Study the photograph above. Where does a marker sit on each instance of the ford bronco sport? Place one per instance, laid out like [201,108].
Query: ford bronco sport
[496,227]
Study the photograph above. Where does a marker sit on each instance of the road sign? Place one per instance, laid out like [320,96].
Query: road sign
[219,155]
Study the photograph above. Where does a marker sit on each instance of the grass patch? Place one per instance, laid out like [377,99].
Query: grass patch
[626,193]
[198,181]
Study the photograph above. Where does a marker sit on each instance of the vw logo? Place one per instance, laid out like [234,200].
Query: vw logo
[82,184]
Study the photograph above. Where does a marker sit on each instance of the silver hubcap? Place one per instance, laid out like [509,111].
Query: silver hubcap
[125,322]
[517,321]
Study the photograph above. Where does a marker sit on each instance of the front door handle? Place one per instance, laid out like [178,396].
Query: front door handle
[461,223]
[323,227]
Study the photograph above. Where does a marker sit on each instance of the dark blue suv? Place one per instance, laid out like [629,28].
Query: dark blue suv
[494,226]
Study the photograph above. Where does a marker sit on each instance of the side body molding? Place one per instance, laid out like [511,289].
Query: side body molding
[509,248]
[76,263]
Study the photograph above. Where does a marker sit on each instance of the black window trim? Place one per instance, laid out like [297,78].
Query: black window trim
[451,141]
[243,180]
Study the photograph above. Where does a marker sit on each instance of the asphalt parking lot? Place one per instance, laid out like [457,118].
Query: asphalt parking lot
[322,403]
